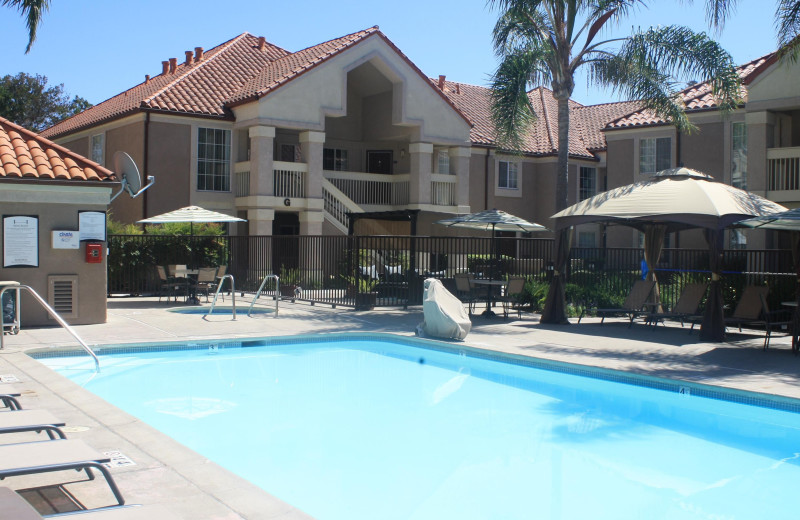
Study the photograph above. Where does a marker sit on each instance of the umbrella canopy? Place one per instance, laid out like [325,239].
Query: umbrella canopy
[190,214]
[492,220]
[679,198]
[783,221]
[674,199]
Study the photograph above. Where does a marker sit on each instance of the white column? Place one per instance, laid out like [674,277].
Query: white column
[421,155]
[311,145]
[459,165]
[260,221]
[262,139]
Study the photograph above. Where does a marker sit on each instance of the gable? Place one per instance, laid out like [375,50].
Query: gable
[320,91]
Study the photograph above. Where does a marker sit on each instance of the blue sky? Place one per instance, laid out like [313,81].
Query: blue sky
[99,48]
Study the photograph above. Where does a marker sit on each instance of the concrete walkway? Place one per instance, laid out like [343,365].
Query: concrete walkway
[188,484]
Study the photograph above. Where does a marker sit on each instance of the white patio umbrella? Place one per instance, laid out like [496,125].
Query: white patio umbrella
[674,199]
[191,214]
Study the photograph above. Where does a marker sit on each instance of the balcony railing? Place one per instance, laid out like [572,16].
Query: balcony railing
[372,189]
[289,179]
[241,172]
[783,169]
[443,189]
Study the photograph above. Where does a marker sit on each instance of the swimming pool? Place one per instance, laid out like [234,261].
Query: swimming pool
[383,427]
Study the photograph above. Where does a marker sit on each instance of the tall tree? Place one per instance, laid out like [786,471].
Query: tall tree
[548,41]
[29,102]
[33,12]
[787,22]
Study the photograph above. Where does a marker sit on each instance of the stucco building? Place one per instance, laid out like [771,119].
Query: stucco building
[292,141]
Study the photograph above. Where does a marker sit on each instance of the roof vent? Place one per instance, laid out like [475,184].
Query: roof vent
[188,57]
[164,67]
[441,82]
[458,88]
[173,65]
[262,43]
[146,79]
[198,53]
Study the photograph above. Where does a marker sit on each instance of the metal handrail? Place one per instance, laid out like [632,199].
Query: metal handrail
[258,293]
[216,295]
[52,313]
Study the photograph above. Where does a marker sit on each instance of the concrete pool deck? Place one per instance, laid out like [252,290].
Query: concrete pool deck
[193,487]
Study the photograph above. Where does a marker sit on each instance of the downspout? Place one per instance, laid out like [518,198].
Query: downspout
[486,180]
[145,162]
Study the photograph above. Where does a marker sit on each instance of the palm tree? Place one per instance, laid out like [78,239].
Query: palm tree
[32,11]
[541,41]
[548,41]
[787,22]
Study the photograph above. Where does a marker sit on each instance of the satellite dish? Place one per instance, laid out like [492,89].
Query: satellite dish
[130,179]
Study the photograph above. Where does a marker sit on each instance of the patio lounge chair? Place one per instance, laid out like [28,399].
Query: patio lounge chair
[634,304]
[205,280]
[686,308]
[59,455]
[14,506]
[31,421]
[752,309]
[8,397]
[514,288]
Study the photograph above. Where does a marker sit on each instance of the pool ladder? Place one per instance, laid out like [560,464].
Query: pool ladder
[261,288]
[219,289]
[50,311]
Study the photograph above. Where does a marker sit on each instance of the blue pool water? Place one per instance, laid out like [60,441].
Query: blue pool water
[372,428]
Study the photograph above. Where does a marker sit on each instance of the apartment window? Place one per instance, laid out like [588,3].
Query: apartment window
[507,175]
[587,182]
[654,154]
[443,162]
[213,159]
[334,159]
[739,155]
[98,148]
[738,240]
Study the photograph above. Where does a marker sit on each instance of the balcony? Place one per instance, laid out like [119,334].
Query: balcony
[375,191]
[783,174]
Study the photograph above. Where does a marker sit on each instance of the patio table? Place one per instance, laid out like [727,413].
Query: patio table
[490,284]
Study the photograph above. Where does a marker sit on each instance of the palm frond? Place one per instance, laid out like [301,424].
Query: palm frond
[635,78]
[512,111]
[681,54]
[788,25]
[519,26]
[33,12]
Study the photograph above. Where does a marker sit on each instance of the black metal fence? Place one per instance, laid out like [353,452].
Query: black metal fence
[335,269]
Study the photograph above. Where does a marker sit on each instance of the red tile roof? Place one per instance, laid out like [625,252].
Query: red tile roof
[200,88]
[696,97]
[586,122]
[230,74]
[25,155]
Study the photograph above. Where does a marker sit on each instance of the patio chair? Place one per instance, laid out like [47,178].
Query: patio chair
[31,458]
[634,304]
[465,290]
[511,297]
[8,397]
[169,285]
[206,276]
[20,421]
[686,308]
[752,310]
[16,507]
[218,280]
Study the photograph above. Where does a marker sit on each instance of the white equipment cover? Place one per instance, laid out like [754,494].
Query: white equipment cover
[444,313]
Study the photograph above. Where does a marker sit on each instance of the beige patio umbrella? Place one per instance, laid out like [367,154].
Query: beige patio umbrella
[191,214]
[675,199]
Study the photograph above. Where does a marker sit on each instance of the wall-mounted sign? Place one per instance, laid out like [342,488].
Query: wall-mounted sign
[20,241]
[66,240]
[92,225]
